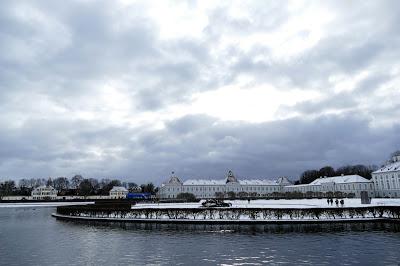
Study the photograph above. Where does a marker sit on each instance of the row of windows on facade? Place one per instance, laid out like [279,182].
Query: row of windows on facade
[43,193]
[337,186]
[191,189]
[212,195]
[381,184]
[386,176]
[387,186]
[353,186]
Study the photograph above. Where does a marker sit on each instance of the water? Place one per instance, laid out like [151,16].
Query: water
[29,236]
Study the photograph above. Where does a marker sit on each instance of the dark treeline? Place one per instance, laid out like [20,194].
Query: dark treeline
[362,170]
[328,171]
[76,185]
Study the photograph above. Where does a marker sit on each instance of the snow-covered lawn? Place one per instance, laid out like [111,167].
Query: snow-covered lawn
[40,204]
[300,203]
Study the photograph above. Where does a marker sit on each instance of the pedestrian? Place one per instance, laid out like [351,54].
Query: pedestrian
[337,202]
[327,200]
[342,202]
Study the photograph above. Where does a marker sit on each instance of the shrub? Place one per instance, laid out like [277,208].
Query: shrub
[186,196]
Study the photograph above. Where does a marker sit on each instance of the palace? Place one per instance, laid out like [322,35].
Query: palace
[44,193]
[385,182]
[118,192]
[346,185]
[221,188]
[387,179]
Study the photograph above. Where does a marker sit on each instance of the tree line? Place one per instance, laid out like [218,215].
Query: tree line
[365,171]
[309,176]
[76,185]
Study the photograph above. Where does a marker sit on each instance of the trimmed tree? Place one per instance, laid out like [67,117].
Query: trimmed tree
[189,197]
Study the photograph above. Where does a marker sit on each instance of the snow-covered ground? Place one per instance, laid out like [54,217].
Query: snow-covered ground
[40,204]
[300,203]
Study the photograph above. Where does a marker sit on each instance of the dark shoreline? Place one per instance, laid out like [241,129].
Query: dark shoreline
[222,221]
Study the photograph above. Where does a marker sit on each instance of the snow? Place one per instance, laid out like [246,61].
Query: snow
[205,182]
[279,204]
[264,182]
[192,182]
[388,168]
[40,204]
[345,179]
[118,189]
[203,220]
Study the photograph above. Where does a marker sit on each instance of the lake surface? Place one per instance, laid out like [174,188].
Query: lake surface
[30,236]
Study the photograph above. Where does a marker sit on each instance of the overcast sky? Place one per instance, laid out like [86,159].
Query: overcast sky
[137,89]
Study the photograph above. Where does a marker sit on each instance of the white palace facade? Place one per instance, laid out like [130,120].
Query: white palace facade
[346,185]
[387,179]
[385,182]
[217,188]
[44,193]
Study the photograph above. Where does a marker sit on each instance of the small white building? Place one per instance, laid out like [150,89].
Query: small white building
[44,193]
[387,179]
[135,189]
[346,184]
[118,193]
[204,189]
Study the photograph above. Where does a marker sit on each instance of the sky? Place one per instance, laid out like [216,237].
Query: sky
[137,89]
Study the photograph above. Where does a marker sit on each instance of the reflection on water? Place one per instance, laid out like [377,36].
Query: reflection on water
[334,228]
[32,237]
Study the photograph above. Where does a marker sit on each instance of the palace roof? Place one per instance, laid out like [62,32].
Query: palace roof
[263,182]
[392,167]
[117,188]
[343,179]
[205,182]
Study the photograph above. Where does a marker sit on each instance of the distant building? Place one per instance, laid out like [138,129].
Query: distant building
[203,188]
[44,193]
[118,192]
[345,184]
[135,189]
[387,179]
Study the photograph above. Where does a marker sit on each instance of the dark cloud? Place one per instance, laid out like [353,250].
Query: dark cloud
[200,146]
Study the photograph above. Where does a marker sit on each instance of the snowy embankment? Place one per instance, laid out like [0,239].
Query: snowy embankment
[278,204]
[41,204]
[257,211]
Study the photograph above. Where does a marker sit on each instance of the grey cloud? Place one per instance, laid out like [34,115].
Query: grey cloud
[194,146]
[97,51]
[359,38]
[265,150]
[336,102]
